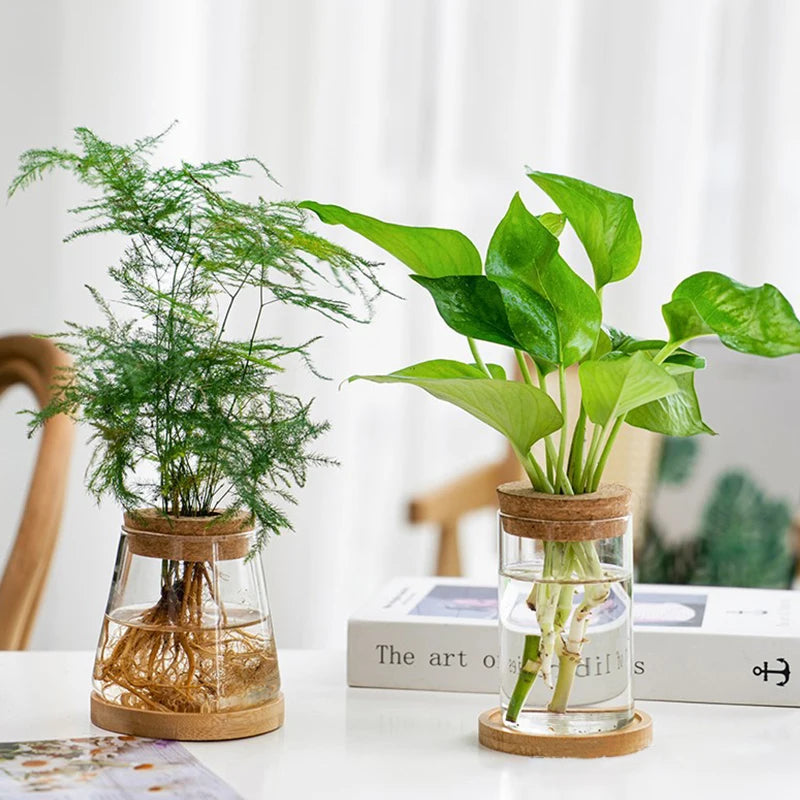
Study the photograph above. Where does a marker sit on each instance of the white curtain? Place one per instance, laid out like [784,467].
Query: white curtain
[416,111]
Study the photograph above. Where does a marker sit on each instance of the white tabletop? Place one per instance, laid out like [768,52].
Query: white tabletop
[374,743]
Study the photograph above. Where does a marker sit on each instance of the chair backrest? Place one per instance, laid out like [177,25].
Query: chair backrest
[34,363]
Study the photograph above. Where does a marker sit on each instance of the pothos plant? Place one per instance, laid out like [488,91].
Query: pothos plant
[526,297]
[186,417]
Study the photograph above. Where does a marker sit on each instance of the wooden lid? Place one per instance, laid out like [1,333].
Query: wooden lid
[603,514]
[218,537]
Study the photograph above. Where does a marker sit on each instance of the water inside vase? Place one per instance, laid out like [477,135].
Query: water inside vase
[598,696]
[224,659]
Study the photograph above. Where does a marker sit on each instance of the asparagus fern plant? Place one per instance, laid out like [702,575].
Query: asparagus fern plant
[184,416]
[526,297]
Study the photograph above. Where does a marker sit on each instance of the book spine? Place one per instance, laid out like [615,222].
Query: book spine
[668,665]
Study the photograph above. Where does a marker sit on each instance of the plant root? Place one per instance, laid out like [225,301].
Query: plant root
[165,659]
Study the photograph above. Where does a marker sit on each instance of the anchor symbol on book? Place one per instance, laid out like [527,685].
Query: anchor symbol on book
[766,672]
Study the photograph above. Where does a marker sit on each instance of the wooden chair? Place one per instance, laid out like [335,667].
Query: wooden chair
[34,363]
[632,462]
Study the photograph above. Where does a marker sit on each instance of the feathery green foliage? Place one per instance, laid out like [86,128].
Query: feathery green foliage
[161,382]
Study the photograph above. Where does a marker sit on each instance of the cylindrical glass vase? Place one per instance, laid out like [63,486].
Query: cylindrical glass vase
[566,564]
[186,650]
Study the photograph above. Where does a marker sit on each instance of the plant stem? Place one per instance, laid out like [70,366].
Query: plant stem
[550,450]
[601,465]
[561,477]
[537,477]
[595,592]
[586,473]
[523,367]
[667,350]
[529,669]
[477,356]
[575,462]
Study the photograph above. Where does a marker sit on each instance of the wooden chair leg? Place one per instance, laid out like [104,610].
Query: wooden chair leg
[448,561]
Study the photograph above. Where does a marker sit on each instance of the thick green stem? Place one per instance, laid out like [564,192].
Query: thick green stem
[550,450]
[575,461]
[586,473]
[595,592]
[538,479]
[601,464]
[477,356]
[667,350]
[529,669]
[561,476]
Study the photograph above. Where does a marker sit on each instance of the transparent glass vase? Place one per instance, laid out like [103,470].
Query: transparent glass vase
[565,607]
[186,649]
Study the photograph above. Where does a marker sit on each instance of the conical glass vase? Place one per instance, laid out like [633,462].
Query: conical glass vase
[186,649]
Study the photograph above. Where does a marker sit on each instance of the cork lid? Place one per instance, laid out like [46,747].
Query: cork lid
[217,524]
[603,514]
[218,536]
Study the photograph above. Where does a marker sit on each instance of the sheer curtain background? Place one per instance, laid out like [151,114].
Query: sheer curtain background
[418,112]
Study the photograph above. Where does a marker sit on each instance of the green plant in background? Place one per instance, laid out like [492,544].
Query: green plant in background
[742,539]
[185,416]
[525,296]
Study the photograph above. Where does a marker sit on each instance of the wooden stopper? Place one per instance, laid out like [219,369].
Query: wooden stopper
[214,538]
[635,736]
[188,727]
[603,514]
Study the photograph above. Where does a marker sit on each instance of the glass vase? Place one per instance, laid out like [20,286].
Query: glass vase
[186,649]
[565,604]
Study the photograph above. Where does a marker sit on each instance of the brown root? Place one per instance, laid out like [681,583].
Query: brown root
[165,659]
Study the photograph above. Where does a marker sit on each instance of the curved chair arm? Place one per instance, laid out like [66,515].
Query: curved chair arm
[34,363]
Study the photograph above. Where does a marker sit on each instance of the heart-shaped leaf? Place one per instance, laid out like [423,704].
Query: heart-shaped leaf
[604,221]
[522,413]
[618,383]
[522,249]
[505,312]
[553,222]
[757,320]
[433,252]
[677,414]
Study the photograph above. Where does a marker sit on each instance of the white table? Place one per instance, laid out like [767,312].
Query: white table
[370,743]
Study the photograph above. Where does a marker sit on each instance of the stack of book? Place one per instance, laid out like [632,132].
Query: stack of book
[702,644]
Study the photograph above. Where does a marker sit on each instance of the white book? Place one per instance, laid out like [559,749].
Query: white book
[693,643]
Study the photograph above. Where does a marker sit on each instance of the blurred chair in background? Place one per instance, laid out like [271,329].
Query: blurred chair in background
[34,363]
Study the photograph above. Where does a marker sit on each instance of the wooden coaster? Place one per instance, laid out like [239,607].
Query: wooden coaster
[635,736]
[188,727]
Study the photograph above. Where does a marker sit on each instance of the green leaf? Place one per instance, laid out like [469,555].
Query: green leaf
[553,222]
[618,383]
[681,360]
[433,252]
[504,312]
[522,413]
[677,414]
[757,320]
[604,221]
[524,250]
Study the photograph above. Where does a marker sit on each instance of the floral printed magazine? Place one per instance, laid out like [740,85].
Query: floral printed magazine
[106,768]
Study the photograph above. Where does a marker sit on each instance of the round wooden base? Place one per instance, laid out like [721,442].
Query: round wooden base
[636,735]
[188,727]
